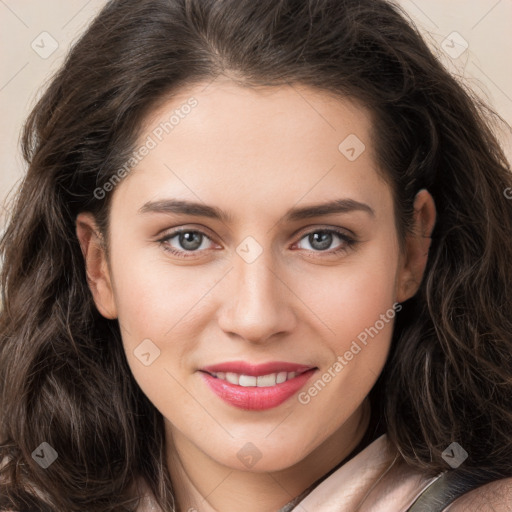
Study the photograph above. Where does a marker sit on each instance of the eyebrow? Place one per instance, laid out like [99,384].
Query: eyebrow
[294,214]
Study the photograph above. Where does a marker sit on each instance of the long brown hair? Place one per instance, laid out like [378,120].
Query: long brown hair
[64,375]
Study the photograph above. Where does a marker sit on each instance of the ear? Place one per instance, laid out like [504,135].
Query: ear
[96,266]
[417,244]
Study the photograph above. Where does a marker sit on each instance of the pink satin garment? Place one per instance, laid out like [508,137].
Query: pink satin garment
[375,480]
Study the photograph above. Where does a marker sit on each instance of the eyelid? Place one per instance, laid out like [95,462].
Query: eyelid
[170,231]
[318,227]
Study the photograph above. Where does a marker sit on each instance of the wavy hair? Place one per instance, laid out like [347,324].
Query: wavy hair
[63,372]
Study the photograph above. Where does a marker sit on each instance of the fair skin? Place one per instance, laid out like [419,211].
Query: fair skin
[255,154]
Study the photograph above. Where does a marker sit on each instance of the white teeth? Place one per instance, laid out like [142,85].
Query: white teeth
[263,381]
[232,377]
[281,377]
[247,380]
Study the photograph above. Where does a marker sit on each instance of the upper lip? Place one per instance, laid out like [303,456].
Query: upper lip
[256,370]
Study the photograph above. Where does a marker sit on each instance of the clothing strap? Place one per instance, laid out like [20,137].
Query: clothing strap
[446,489]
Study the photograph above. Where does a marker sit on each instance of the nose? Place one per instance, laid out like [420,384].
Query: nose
[258,303]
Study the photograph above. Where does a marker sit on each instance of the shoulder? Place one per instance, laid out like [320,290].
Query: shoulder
[493,497]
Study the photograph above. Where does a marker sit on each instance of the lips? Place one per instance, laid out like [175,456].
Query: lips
[256,387]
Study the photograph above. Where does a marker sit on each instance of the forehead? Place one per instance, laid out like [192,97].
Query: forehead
[255,145]
[283,116]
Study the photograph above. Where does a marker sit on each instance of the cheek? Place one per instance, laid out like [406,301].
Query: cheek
[159,310]
[359,309]
[152,295]
[351,297]
[163,308]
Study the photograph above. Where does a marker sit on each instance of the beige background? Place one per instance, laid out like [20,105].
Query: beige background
[29,31]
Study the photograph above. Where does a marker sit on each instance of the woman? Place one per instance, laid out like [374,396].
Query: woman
[260,261]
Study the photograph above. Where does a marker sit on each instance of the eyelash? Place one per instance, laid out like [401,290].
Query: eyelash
[348,244]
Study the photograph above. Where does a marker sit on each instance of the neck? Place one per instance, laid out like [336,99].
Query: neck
[204,485]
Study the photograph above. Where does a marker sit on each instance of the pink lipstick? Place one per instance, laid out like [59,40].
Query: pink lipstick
[256,387]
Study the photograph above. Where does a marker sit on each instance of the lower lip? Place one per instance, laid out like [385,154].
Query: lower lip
[253,398]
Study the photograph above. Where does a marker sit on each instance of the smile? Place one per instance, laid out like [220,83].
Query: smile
[256,393]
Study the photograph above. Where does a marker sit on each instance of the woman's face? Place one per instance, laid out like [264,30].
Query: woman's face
[262,273]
